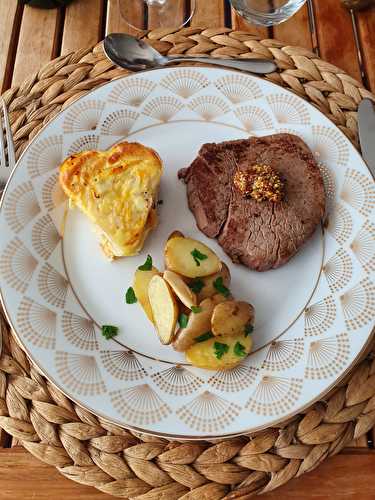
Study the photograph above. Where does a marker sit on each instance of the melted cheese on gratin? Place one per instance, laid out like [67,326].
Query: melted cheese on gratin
[117,189]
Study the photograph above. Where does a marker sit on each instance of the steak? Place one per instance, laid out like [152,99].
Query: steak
[260,234]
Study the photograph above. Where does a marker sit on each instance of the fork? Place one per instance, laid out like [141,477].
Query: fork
[7,156]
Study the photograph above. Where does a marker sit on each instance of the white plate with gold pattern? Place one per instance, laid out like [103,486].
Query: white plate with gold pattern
[314,315]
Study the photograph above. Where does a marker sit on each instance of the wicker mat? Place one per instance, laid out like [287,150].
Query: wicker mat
[128,465]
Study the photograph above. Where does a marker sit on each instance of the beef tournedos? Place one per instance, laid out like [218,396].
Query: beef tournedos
[260,234]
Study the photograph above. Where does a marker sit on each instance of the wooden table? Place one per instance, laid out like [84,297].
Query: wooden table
[31,37]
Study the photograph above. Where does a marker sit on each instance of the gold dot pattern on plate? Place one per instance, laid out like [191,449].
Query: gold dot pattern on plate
[79,331]
[21,206]
[358,191]
[45,155]
[177,381]
[283,354]
[253,118]
[36,323]
[319,317]
[131,92]
[238,88]
[327,357]
[17,265]
[338,270]
[235,380]
[140,405]
[80,373]
[208,413]
[86,142]
[185,82]
[119,122]
[340,224]
[163,108]
[363,246]
[288,109]
[358,304]
[275,395]
[52,193]
[209,107]
[83,116]
[329,146]
[52,286]
[123,365]
[44,237]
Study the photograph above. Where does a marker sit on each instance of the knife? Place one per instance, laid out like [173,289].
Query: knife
[366,126]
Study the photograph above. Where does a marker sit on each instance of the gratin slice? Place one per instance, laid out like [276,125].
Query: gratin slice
[117,189]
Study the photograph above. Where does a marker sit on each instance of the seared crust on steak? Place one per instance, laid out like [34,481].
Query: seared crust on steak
[260,234]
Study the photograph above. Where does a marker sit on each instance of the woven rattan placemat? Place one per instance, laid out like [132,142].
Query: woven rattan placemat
[128,465]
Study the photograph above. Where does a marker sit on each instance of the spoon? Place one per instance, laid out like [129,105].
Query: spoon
[131,53]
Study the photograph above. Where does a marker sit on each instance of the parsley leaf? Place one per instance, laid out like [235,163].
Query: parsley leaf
[183,320]
[109,331]
[196,285]
[239,350]
[198,256]
[147,266]
[220,349]
[130,296]
[204,336]
[248,329]
[220,287]
[196,309]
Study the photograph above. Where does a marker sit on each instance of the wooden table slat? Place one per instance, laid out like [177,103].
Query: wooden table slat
[116,12]
[209,13]
[156,18]
[296,30]
[366,31]
[83,24]
[335,36]
[34,51]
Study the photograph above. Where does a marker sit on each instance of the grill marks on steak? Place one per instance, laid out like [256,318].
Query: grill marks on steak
[261,235]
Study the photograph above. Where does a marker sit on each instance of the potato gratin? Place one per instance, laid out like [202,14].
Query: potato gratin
[117,189]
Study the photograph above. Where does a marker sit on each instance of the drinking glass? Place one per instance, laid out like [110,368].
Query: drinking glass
[153,14]
[267,12]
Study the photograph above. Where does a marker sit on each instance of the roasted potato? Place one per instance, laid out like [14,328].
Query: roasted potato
[180,288]
[220,353]
[198,324]
[190,258]
[208,289]
[140,284]
[231,317]
[164,308]
[175,234]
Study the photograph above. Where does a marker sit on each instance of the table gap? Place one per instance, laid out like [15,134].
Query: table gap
[12,48]
[59,31]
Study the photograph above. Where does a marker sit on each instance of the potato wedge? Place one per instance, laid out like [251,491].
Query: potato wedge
[208,289]
[230,318]
[190,258]
[164,308]
[175,234]
[220,353]
[180,288]
[198,324]
[140,284]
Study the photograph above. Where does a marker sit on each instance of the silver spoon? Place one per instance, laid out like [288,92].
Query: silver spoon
[131,53]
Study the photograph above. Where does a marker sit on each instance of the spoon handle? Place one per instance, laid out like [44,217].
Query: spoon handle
[260,66]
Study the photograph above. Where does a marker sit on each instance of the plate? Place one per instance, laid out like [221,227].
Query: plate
[314,316]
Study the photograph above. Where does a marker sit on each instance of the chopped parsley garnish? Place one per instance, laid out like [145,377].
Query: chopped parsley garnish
[183,320]
[198,256]
[220,349]
[196,309]
[204,336]
[130,296]
[239,350]
[109,331]
[220,287]
[196,285]
[248,329]
[147,266]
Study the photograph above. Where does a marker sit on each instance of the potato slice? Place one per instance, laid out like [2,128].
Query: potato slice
[175,234]
[140,284]
[164,308]
[180,288]
[190,258]
[208,289]
[198,324]
[231,317]
[233,349]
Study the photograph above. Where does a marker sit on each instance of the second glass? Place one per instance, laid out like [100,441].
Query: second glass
[267,12]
